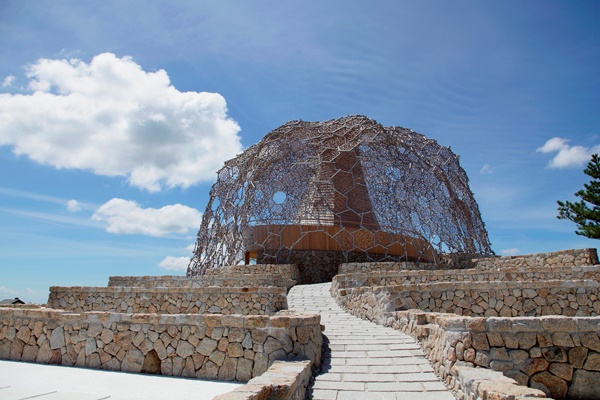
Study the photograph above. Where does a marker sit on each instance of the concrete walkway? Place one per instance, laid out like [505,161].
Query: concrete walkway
[19,381]
[366,360]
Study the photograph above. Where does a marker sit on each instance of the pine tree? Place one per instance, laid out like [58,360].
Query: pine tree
[586,212]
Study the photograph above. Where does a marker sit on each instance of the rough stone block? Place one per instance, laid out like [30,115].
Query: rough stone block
[584,385]
[562,339]
[551,385]
[592,363]
[526,340]
[554,354]
[207,346]
[480,341]
[532,366]
[562,370]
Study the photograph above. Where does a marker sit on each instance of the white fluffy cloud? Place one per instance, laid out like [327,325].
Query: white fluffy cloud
[127,217]
[113,118]
[175,263]
[567,155]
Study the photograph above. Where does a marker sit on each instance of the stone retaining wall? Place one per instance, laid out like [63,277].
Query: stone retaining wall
[394,278]
[287,270]
[215,300]
[388,266]
[559,355]
[317,266]
[563,258]
[557,258]
[264,275]
[224,280]
[497,298]
[224,347]
[505,329]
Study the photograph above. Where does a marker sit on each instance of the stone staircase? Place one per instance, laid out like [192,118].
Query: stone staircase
[364,360]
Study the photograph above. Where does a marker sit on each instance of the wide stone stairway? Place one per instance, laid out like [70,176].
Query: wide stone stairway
[364,360]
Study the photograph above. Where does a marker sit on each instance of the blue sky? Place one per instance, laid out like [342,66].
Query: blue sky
[114,115]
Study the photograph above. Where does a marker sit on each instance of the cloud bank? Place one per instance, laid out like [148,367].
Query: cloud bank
[113,118]
[127,217]
[567,155]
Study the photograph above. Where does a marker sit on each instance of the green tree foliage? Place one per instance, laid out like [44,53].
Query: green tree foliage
[586,212]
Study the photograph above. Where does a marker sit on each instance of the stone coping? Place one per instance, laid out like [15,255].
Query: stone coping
[284,380]
[282,319]
[130,289]
[31,305]
[550,323]
[491,285]
[481,383]
[222,280]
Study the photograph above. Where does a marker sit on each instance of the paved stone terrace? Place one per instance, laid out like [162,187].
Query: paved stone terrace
[365,360]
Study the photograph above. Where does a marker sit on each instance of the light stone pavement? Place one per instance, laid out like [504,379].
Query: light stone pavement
[366,360]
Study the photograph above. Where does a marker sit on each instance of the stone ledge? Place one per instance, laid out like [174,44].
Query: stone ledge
[220,280]
[282,381]
[480,383]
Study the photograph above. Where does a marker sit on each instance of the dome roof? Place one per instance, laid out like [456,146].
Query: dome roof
[356,185]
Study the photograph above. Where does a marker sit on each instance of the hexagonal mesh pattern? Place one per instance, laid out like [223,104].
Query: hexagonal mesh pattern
[349,186]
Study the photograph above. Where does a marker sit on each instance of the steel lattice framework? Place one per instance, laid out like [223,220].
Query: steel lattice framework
[348,185]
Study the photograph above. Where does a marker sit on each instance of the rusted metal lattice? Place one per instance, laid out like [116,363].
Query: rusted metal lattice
[348,186]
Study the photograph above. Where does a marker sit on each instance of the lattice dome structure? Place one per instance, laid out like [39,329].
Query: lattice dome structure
[320,193]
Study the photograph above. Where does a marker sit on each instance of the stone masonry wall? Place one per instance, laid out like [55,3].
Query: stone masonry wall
[394,278]
[558,258]
[319,266]
[282,275]
[559,355]
[563,258]
[387,266]
[225,280]
[287,270]
[224,347]
[215,300]
[497,298]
